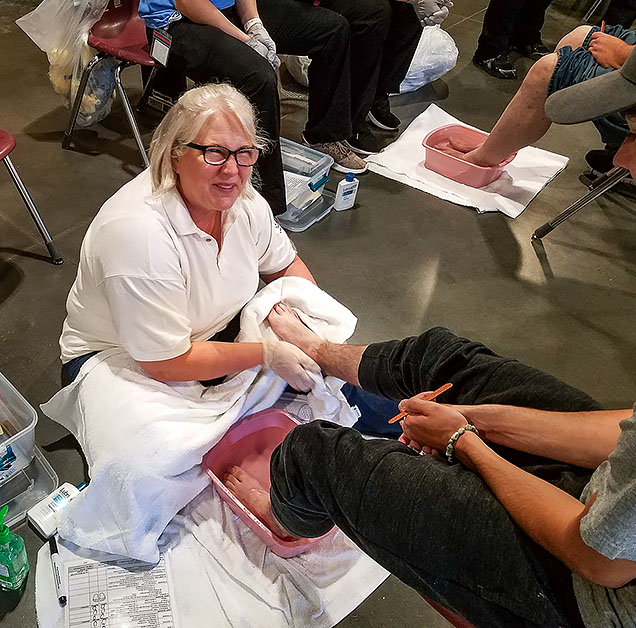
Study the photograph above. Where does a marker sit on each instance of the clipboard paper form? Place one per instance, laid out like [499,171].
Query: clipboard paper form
[119,593]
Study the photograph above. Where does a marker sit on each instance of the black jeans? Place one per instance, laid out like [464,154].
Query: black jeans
[435,526]
[510,23]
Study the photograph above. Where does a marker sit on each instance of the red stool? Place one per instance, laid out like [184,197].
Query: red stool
[120,33]
[7,144]
[449,616]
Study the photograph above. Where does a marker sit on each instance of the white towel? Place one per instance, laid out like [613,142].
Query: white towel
[530,171]
[144,439]
[224,577]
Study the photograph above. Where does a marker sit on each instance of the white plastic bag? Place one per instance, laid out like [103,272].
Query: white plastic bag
[436,54]
[60,28]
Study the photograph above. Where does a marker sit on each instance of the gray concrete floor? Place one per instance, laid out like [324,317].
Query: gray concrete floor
[401,260]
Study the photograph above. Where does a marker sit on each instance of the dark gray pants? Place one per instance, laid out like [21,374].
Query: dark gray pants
[435,526]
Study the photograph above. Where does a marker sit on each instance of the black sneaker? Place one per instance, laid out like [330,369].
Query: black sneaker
[534,51]
[600,161]
[499,66]
[382,116]
[366,143]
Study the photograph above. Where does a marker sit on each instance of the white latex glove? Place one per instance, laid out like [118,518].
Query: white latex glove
[256,30]
[430,12]
[290,363]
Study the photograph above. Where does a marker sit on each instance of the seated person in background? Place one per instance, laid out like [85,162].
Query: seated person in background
[582,55]
[170,260]
[226,40]
[537,524]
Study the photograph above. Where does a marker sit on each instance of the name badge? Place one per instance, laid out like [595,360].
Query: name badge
[160,47]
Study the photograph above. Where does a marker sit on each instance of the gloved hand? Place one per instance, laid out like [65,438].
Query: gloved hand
[256,30]
[431,12]
[290,363]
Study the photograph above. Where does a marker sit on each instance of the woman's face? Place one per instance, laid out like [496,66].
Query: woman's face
[206,188]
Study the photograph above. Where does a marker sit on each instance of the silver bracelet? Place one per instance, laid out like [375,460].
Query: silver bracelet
[450,448]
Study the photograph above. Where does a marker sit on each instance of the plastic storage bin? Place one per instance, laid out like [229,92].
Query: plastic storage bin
[455,168]
[306,171]
[25,475]
[249,444]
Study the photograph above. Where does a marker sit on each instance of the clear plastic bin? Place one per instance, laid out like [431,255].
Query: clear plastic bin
[306,171]
[17,440]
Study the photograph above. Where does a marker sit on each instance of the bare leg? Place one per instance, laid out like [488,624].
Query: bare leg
[251,494]
[524,120]
[339,360]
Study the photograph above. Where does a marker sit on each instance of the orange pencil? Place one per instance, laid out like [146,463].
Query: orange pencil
[428,397]
[603,26]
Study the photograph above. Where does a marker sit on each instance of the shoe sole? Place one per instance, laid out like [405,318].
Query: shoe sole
[358,151]
[495,73]
[344,169]
[379,124]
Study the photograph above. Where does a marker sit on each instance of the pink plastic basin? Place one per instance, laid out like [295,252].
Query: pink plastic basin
[249,444]
[455,168]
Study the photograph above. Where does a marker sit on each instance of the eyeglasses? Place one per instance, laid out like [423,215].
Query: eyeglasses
[218,155]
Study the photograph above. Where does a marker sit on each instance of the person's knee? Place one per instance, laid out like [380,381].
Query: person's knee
[540,73]
[574,38]
[375,14]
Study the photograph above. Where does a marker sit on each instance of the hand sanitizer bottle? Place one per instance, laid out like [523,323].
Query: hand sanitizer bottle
[346,192]
[14,565]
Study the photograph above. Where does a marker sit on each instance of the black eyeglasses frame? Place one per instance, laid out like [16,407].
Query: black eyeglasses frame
[204,148]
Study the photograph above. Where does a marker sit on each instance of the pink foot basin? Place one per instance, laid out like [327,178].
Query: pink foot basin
[249,444]
[455,168]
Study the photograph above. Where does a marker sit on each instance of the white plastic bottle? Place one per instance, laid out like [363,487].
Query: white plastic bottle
[44,515]
[346,192]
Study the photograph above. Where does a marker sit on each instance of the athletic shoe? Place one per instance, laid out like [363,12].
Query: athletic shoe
[499,66]
[382,116]
[600,161]
[534,51]
[365,143]
[343,159]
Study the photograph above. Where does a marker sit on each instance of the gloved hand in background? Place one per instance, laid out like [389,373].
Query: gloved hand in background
[259,35]
[290,363]
[431,12]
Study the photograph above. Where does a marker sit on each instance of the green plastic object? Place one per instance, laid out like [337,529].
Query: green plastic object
[14,565]
[5,534]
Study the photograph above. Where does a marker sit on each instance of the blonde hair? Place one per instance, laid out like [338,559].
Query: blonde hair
[184,121]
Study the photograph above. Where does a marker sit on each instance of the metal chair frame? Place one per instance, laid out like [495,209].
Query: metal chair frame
[55,255]
[597,188]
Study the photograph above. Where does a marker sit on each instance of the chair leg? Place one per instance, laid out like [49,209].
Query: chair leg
[602,185]
[66,140]
[143,101]
[129,113]
[39,223]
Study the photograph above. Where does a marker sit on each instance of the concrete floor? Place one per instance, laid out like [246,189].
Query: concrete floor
[402,260]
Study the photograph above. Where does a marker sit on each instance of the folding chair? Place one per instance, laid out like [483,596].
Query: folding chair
[121,34]
[597,188]
[7,144]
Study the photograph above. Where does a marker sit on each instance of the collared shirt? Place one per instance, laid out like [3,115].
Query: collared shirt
[150,281]
[159,13]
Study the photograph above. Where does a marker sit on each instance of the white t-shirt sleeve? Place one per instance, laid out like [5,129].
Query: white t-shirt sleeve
[148,315]
[275,250]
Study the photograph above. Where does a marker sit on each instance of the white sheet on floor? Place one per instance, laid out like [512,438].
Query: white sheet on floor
[144,439]
[523,178]
[224,577]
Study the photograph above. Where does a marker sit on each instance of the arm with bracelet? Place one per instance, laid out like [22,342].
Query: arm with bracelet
[550,516]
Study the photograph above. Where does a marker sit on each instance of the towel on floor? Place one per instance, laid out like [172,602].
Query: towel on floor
[144,439]
[224,577]
[530,171]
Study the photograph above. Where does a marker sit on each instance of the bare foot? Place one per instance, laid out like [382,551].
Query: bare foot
[288,326]
[251,494]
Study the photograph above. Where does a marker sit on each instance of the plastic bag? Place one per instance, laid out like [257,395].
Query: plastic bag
[60,28]
[435,55]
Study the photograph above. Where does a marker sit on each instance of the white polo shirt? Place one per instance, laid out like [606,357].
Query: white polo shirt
[150,281]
